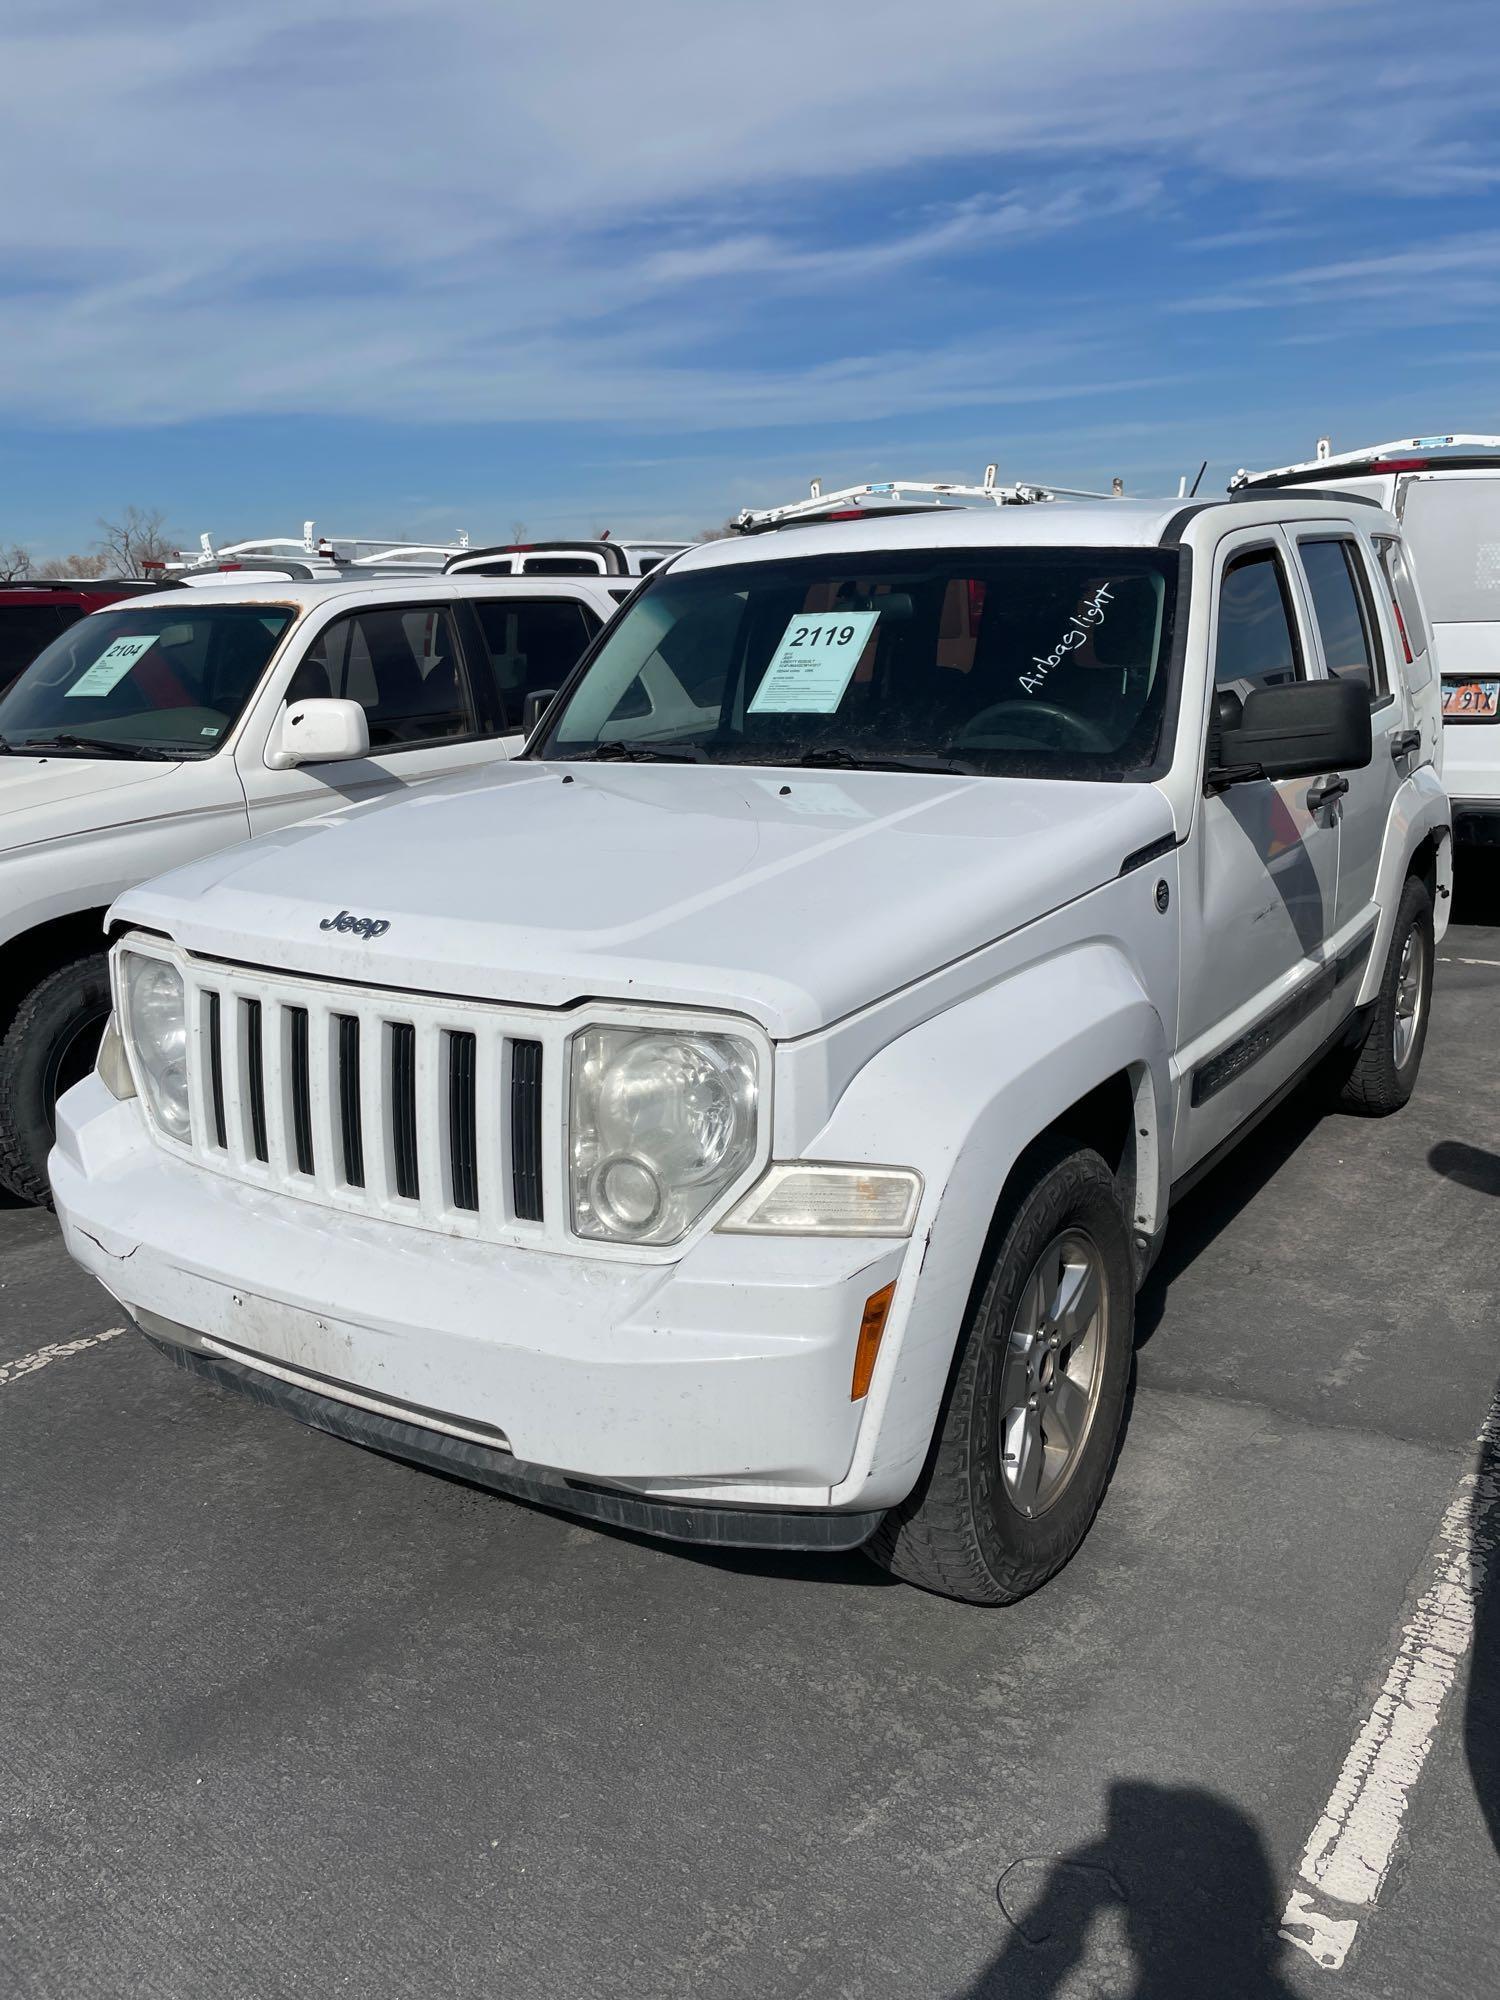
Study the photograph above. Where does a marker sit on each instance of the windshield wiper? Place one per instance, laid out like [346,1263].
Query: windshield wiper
[619,751]
[87,746]
[840,757]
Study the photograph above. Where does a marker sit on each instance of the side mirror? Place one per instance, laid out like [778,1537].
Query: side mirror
[1296,731]
[321,731]
[534,707]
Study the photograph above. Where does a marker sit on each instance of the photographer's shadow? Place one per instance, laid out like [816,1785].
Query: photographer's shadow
[1175,1900]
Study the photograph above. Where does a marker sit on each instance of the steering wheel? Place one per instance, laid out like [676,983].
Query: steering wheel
[1076,731]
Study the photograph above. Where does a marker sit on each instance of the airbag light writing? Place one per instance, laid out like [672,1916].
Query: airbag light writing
[1089,614]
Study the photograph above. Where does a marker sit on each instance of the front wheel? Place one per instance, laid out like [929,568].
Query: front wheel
[49,1046]
[1028,1434]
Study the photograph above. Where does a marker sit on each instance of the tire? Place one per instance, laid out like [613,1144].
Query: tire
[51,1042]
[1381,1074]
[965,1532]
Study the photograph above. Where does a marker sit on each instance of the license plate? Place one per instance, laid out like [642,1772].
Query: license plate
[1472,701]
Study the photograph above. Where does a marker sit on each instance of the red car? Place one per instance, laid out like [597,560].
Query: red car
[32,613]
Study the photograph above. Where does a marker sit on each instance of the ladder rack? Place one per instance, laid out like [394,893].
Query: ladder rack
[1368,455]
[907,496]
[326,554]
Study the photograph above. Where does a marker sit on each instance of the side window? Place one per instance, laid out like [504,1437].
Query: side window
[563,566]
[1406,607]
[1342,609]
[400,664]
[1257,638]
[24,630]
[533,643]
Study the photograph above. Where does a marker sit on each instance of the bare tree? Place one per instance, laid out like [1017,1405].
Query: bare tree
[518,531]
[719,534]
[62,569]
[138,537]
[15,563]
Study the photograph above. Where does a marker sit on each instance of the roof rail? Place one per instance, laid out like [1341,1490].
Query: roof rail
[1369,455]
[331,554]
[908,496]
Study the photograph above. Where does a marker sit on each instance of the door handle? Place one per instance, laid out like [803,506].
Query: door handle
[1405,743]
[1325,792]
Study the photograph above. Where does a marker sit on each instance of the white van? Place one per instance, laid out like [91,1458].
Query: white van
[1445,492]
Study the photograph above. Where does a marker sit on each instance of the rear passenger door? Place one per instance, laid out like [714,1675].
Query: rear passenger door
[406,667]
[1260,879]
[1349,621]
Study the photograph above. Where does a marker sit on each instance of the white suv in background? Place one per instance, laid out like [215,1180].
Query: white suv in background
[1445,493]
[601,557]
[182,721]
[748,1115]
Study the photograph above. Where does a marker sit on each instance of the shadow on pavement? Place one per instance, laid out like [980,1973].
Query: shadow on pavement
[1476,885]
[1200,1216]
[1175,1900]
[1470,1166]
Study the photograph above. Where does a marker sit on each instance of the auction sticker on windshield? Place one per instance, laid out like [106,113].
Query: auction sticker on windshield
[112,665]
[814,663]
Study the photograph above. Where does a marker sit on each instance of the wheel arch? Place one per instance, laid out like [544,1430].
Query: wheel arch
[1069,1047]
[32,954]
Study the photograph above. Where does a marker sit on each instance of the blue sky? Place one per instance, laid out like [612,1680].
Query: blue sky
[405,269]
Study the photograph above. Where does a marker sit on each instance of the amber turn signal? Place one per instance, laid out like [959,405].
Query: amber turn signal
[871,1327]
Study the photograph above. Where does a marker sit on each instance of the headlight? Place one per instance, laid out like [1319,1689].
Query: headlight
[156,1028]
[660,1123]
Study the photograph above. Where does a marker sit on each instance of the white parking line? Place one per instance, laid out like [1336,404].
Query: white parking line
[1452,958]
[59,1350]
[1350,1849]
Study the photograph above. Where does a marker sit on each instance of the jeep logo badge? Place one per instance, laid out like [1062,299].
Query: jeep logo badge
[365,927]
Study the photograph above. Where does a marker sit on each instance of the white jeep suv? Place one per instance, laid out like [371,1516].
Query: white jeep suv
[180,722]
[749,1115]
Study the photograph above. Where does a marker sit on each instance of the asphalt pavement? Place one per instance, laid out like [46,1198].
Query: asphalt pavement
[283,1717]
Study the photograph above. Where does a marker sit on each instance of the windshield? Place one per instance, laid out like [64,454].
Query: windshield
[1453,531]
[164,680]
[1031,662]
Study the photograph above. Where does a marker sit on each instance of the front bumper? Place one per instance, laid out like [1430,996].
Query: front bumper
[715,1383]
[485,1465]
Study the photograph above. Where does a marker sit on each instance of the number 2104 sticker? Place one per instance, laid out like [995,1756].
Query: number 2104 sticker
[814,663]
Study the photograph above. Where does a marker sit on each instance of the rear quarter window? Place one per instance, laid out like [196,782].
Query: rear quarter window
[1406,607]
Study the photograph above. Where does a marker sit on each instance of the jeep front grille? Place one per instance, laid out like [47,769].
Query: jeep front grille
[402,1105]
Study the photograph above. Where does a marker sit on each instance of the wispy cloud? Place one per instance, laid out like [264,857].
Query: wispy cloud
[979,222]
[1441,279]
[366,207]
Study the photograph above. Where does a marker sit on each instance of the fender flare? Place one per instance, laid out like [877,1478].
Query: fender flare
[1419,808]
[960,1098]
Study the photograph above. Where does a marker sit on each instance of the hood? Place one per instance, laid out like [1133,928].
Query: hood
[44,797]
[794,896]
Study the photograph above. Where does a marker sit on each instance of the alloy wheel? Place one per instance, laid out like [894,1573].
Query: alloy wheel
[1053,1368]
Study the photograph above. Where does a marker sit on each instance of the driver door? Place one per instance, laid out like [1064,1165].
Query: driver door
[1260,876]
